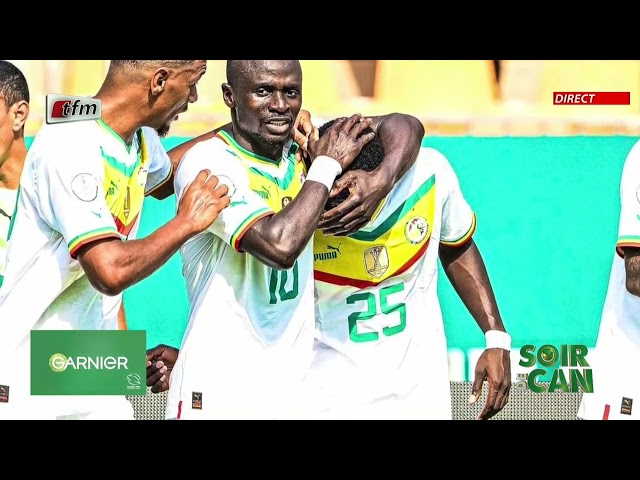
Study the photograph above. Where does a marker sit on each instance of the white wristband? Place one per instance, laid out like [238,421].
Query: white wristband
[498,339]
[324,170]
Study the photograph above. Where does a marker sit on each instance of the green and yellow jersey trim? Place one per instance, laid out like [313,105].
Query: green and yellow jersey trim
[236,237]
[464,239]
[630,241]
[244,153]
[101,233]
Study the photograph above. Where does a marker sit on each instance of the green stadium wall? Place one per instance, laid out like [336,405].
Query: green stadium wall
[547,212]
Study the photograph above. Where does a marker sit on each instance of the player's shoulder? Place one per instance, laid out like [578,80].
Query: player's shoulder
[210,150]
[150,135]
[633,157]
[213,154]
[432,161]
[68,139]
[432,155]
[59,134]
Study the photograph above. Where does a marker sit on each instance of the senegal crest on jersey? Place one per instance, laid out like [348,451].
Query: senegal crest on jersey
[396,240]
[416,230]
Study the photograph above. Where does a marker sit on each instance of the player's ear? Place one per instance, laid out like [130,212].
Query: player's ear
[20,112]
[227,95]
[158,81]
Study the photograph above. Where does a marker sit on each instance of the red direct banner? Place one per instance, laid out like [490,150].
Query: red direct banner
[591,98]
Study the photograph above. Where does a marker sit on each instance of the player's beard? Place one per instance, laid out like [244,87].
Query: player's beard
[267,142]
[163,131]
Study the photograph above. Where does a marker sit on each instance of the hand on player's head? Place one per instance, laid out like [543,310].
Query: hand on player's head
[203,201]
[353,201]
[356,193]
[343,140]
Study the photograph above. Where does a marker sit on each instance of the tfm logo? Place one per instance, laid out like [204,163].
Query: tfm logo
[65,108]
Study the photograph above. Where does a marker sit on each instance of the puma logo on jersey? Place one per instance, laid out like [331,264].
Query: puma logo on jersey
[196,400]
[113,188]
[335,249]
[332,254]
[265,192]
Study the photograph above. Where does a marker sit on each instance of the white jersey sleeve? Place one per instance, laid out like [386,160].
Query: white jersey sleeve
[458,219]
[160,165]
[68,183]
[246,206]
[629,223]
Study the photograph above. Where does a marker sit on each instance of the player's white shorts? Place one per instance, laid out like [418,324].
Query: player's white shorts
[17,403]
[337,388]
[616,381]
[254,391]
[90,407]
[21,406]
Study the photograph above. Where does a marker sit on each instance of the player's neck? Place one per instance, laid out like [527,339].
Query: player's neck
[253,145]
[11,168]
[116,113]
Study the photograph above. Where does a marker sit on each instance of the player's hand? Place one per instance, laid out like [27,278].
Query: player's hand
[202,201]
[494,367]
[160,363]
[343,140]
[302,130]
[366,191]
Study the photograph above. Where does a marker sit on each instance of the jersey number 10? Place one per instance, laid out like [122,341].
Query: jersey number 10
[281,293]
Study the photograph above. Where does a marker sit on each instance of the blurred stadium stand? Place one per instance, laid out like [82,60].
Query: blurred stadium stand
[451,97]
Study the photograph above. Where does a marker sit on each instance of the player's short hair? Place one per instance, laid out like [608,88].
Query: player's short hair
[150,63]
[13,84]
[234,70]
[370,156]
[237,68]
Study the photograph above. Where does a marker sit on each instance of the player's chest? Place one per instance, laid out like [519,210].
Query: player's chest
[277,185]
[125,179]
[399,237]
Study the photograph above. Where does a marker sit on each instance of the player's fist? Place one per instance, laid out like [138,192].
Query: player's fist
[202,201]
[160,363]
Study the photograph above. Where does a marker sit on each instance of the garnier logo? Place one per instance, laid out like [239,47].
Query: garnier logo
[60,362]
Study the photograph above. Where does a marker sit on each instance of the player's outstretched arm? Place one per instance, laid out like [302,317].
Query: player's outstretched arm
[401,136]
[278,240]
[112,265]
[466,270]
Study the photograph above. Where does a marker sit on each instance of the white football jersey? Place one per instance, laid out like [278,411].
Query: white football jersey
[616,359]
[379,327]
[250,333]
[80,183]
[7,206]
